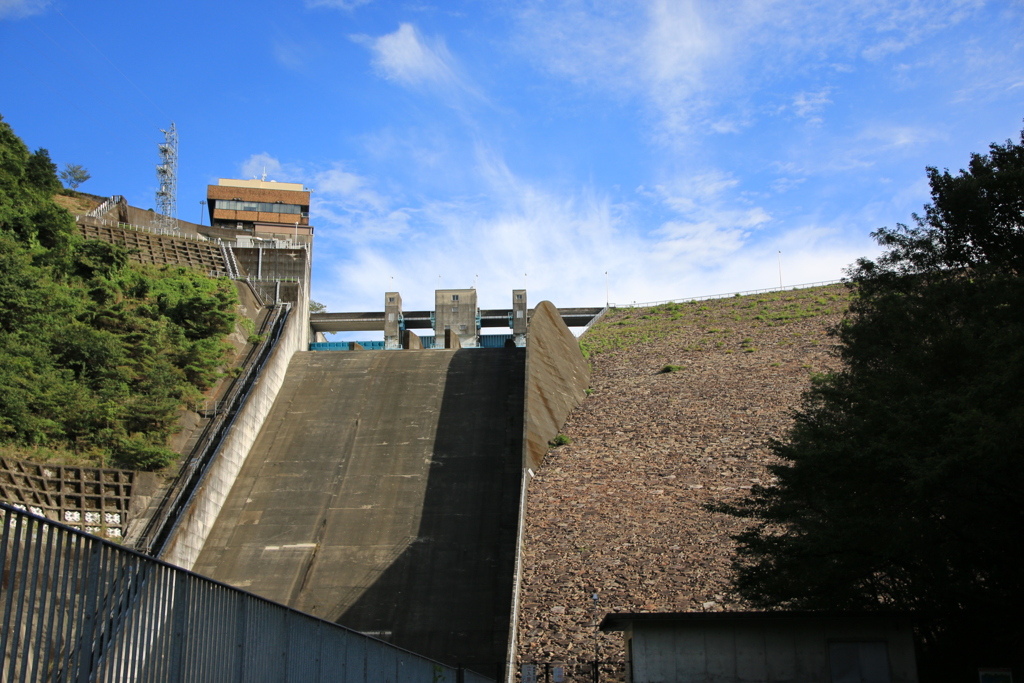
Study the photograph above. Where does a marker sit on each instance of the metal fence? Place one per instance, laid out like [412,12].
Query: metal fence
[78,608]
[706,297]
[154,230]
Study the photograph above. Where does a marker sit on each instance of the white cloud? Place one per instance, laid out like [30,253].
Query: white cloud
[886,137]
[875,145]
[785,184]
[407,58]
[338,4]
[17,9]
[900,25]
[337,181]
[808,104]
[259,164]
[340,194]
[556,243]
[710,226]
[687,59]
[661,52]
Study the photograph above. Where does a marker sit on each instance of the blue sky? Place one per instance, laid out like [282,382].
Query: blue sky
[677,146]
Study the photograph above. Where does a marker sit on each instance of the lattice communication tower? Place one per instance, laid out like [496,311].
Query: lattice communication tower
[167,175]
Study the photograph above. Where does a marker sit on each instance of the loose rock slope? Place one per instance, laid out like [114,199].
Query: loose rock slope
[685,400]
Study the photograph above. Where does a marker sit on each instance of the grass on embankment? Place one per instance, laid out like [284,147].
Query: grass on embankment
[721,322]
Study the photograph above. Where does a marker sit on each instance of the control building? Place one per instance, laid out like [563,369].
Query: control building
[520,317]
[265,209]
[455,310]
[393,320]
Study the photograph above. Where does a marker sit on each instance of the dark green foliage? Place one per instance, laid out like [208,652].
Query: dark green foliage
[97,355]
[41,172]
[903,472]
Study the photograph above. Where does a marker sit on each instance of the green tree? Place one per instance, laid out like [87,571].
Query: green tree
[901,477]
[74,175]
[97,354]
[41,172]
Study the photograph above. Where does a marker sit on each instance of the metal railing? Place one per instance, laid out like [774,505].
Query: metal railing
[258,293]
[75,607]
[706,297]
[106,206]
[593,321]
[160,526]
[249,242]
[168,232]
[250,278]
[229,260]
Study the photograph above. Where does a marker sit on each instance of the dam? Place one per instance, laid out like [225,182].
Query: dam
[367,497]
[383,494]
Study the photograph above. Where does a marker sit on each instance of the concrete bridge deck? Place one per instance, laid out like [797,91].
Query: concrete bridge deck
[383,494]
[420,320]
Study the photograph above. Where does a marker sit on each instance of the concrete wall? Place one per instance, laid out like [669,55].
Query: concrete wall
[272,263]
[133,215]
[410,340]
[557,377]
[195,524]
[768,651]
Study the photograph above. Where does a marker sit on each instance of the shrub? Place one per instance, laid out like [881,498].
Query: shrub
[560,440]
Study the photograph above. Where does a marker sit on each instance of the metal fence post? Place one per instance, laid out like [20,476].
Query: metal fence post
[179,623]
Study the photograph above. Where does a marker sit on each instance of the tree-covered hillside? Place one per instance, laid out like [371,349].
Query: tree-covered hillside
[97,354]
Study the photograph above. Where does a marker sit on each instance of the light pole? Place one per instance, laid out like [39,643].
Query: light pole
[780,269]
[202,210]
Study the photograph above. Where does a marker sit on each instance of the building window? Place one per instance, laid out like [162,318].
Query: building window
[264,207]
[391,299]
[519,314]
[455,309]
[859,662]
[519,297]
[455,297]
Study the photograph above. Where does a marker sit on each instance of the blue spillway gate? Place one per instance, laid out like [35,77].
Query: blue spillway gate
[346,346]
[487,341]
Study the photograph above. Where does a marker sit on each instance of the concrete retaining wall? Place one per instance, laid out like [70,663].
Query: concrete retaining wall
[557,377]
[195,524]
